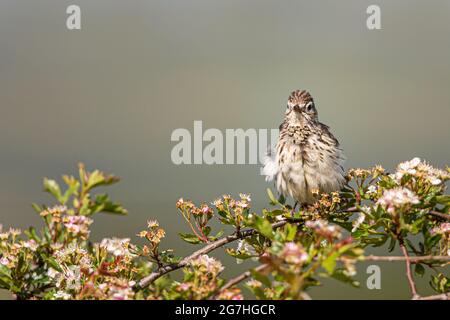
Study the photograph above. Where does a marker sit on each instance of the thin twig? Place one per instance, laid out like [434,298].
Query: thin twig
[234,281]
[440,215]
[206,249]
[443,296]
[412,260]
[409,275]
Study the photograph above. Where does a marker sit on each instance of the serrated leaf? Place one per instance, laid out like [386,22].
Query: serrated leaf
[330,262]
[102,203]
[189,238]
[95,178]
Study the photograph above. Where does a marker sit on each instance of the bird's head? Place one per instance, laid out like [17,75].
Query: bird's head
[301,108]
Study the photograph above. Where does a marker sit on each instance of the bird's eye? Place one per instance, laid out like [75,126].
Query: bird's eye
[309,107]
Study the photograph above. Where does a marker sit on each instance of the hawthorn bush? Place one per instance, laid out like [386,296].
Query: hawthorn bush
[295,249]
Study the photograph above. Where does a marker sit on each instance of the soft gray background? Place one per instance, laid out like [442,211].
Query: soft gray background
[111,94]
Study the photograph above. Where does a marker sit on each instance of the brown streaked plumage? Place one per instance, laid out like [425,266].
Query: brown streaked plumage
[308,157]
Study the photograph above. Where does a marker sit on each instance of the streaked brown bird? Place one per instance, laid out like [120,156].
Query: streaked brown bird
[307,159]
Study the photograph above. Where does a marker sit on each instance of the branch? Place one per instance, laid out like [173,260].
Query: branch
[440,215]
[443,296]
[409,275]
[206,249]
[412,260]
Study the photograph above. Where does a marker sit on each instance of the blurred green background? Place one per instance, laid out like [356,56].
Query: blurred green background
[111,94]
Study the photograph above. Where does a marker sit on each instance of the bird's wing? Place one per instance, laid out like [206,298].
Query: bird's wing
[270,165]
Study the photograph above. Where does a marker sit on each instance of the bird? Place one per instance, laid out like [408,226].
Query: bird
[307,160]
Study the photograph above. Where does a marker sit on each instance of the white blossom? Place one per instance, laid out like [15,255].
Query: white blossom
[395,198]
[115,246]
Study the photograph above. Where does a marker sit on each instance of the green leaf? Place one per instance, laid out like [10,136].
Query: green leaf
[419,269]
[274,213]
[272,198]
[443,199]
[102,203]
[52,263]
[330,262]
[264,227]
[97,178]
[72,187]
[392,244]
[225,218]
[190,238]
[52,187]
[259,293]
[217,236]
[261,278]
[206,230]
[31,233]
[36,207]
[291,232]
[5,272]
[238,254]
[432,241]
[339,275]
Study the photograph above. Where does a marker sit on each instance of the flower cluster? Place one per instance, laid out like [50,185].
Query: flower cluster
[324,229]
[396,199]
[201,281]
[294,253]
[419,169]
[197,219]
[78,226]
[116,247]
[233,211]
[207,265]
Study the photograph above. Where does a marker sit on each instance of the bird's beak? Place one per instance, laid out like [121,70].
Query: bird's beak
[297,109]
